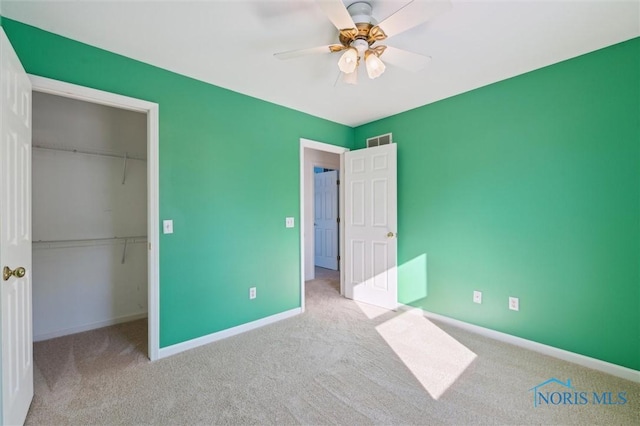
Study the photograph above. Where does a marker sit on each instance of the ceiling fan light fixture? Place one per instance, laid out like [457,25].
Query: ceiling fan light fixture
[348,61]
[360,45]
[351,78]
[375,67]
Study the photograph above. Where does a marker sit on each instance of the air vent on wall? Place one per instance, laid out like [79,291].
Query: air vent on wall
[379,140]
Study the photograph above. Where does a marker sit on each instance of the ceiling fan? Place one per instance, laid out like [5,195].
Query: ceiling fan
[359,35]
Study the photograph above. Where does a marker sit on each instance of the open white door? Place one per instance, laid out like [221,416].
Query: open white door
[15,236]
[325,219]
[370,190]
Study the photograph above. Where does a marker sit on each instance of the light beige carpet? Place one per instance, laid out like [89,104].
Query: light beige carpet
[338,363]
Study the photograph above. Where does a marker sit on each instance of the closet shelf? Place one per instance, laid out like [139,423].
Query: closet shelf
[96,241]
[91,242]
[124,155]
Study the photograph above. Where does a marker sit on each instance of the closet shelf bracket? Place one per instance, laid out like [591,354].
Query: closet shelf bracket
[124,250]
[124,174]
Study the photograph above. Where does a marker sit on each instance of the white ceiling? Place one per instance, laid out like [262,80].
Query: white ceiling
[230,43]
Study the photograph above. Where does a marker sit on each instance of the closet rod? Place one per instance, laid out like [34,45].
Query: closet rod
[80,240]
[89,152]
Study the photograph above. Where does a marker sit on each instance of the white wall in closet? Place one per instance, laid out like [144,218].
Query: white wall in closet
[89,228]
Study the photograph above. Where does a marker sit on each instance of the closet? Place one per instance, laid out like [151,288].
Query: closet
[89,185]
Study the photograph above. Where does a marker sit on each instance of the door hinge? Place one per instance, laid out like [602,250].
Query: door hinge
[338,181]
[338,258]
[338,219]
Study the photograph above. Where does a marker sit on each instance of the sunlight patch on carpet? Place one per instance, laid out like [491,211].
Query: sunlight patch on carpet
[371,311]
[435,358]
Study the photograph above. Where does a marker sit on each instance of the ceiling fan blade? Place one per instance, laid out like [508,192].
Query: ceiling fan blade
[404,59]
[303,52]
[413,14]
[337,13]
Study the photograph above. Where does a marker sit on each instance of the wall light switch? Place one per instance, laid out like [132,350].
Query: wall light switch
[514,303]
[167,226]
[289,222]
[477,297]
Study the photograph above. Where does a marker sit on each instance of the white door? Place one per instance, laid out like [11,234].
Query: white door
[325,219]
[371,225]
[15,236]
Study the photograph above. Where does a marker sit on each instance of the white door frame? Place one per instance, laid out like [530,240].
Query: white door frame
[59,88]
[319,146]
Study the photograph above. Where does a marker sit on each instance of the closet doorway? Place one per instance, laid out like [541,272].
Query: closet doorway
[94,214]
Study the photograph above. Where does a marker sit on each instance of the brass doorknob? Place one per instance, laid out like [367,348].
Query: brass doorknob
[18,272]
[391,235]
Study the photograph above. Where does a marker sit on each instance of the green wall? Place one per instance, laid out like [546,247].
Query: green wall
[228,178]
[529,187]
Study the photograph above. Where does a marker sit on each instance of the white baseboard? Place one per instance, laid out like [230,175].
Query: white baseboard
[87,327]
[213,337]
[585,361]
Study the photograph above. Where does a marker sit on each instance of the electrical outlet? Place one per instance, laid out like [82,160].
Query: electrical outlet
[477,297]
[289,222]
[252,293]
[514,303]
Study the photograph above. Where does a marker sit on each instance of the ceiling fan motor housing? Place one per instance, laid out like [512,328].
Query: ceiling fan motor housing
[361,36]
[361,12]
